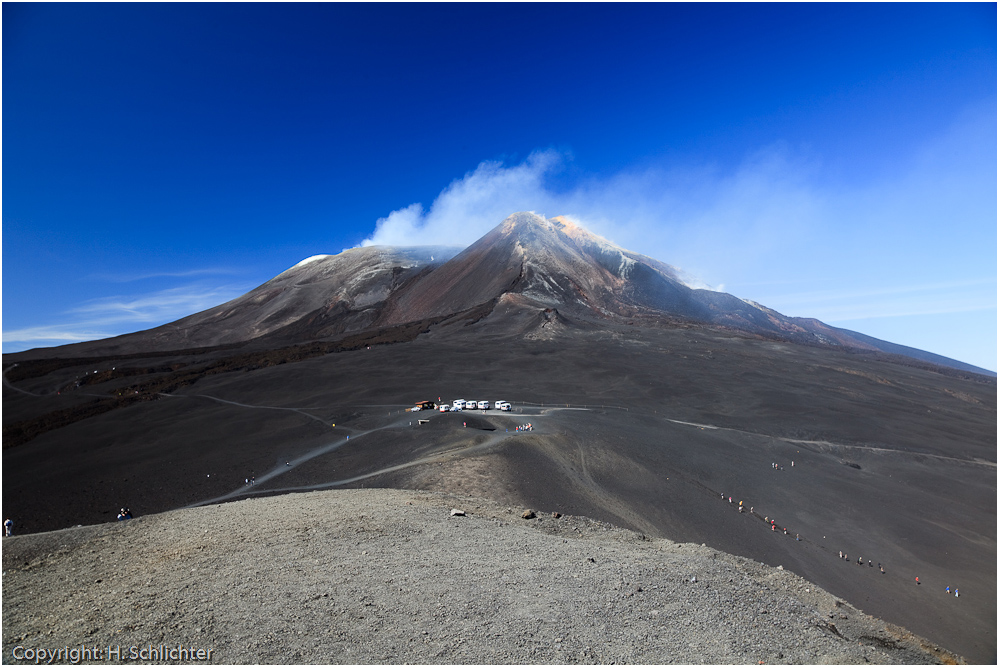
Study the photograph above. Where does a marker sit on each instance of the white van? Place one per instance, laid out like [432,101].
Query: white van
[444,408]
[504,406]
[484,405]
[497,404]
[458,404]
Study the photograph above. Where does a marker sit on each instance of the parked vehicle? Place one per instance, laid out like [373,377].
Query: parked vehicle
[444,408]
[484,405]
[458,404]
[497,404]
[504,406]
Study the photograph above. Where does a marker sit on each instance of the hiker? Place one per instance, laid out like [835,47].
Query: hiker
[8,526]
[785,529]
[751,510]
[956,592]
[246,481]
[870,564]
[797,537]
[252,480]
[917,579]
[947,590]
[860,562]
[841,553]
[793,463]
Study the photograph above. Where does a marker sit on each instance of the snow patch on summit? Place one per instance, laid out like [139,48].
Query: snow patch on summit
[310,260]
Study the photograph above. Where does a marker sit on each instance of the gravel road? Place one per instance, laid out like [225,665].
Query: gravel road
[387,577]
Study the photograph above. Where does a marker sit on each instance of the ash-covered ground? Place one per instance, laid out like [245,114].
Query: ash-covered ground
[652,430]
[384,576]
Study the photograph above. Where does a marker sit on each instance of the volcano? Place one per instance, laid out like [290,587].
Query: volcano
[527,271]
[651,405]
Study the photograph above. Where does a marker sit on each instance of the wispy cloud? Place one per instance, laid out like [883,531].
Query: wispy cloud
[65,333]
[889,301]
[191,273]
[120,314]
[154,307]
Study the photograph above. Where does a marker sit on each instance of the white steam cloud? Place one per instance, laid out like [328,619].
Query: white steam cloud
[679,216]
[773,224]
[471,206]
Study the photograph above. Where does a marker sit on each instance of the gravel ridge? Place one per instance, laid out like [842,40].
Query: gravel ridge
[387,577]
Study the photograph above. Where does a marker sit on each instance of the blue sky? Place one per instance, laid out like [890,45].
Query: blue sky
[834,161]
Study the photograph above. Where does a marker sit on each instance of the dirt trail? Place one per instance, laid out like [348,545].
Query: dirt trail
[977,462]
[10,386]
[300,411]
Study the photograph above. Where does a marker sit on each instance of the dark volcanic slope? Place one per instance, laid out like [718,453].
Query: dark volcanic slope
[892,463]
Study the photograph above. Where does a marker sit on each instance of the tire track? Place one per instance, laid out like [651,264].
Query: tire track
[11,386]
[300,411]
